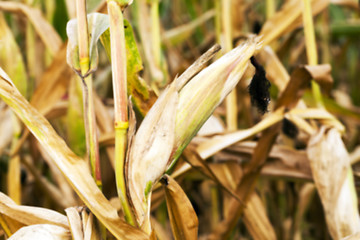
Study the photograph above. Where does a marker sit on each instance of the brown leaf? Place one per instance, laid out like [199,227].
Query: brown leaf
[183,219]
[256,220]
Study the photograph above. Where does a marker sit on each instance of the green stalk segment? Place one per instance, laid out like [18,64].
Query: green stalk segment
[91,136]
[119,76]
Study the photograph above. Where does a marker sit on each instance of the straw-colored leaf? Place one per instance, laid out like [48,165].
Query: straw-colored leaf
[150,152]
[333,178]
[217,143]
[42,232]
[256,220]
[69,164]
[45,30]
[183,219]
[287,19]
[30,215]
[179,34]
[199,98]
[74,223]
[97,25]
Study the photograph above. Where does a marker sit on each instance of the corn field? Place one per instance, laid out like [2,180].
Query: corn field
[170,119]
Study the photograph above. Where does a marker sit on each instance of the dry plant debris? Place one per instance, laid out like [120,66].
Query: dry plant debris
[114,124]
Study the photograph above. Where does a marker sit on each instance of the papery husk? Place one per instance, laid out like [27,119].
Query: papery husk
[42,232]
[332,173]
[150,152]
[199,98]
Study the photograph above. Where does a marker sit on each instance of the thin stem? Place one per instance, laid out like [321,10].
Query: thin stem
[88,99]
[119,76]
[311,48]
[91,133]
[270,8]
[231,99]
[83,36]
[155,32]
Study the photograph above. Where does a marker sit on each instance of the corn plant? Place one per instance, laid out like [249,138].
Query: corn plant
[176,119]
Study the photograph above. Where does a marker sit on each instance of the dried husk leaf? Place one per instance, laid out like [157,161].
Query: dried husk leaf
[69,164]
[74,223]
[150,152]
[256,220]
[199,98]
[45,30]
[30,215]
[42,232]
[330,164]
[183,219]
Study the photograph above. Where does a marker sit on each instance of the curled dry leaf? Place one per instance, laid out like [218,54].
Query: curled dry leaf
[75,223]
[30,215]
[68,163]
[333,178]
[183,220]
[150,153]
[199,98]
[45,30]
[42,232]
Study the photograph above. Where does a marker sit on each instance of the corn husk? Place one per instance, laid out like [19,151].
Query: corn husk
[332,173]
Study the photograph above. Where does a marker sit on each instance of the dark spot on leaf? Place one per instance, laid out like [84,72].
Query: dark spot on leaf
[164,180]
[259,88]
[289,128]
[256,27]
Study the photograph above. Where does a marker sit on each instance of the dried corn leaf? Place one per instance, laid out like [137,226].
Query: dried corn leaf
[75,223]
[330,164]
[67,162]
[6,126]
[53,83]
[199,98]
[183,219]
[181,33]
[287,19]
[256,220]
[42,232]
[150,152]
[30,215]
[217,143]
[46,32]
